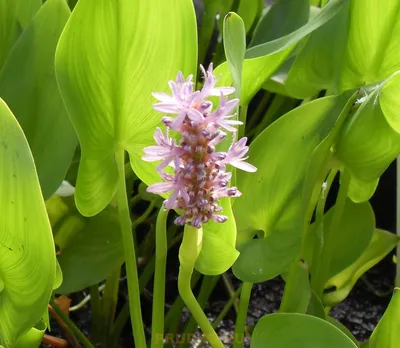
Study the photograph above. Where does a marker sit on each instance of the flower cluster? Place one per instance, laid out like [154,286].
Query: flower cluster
[200,177]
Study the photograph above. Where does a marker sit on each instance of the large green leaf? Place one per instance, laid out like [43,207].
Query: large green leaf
[373,41]
[353,236]
[14,16]
[27,251]
[319,162]
[387,334]
[285,330]
[318,65]
[282,155]
[30,89]
[367,143]
[111,56]
[262,60]
[90,249]
[381,244]
[276,204]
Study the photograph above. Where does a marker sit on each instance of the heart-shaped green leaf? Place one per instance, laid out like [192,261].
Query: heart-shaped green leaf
[27,251]
[111,56]
[283,330]
[386,334]
[381,244]
[90,249]
[30,89]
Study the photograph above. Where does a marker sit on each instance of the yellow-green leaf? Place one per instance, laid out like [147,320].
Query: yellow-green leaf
[111,56]
[27,250]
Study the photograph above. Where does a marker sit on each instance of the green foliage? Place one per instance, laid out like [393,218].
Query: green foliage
[386,334]
[262,60]
[108,97]
[265,258]
[329,76]
[30,89]
[90,249]
[381,244]
[298,330]
[28,268]
[218,252]
[14,17]
[352,237]
[235,46]
[367,143]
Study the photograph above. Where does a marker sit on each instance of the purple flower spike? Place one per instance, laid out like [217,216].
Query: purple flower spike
[200,178]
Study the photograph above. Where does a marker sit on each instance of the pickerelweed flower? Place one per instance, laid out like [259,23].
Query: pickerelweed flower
[200,176]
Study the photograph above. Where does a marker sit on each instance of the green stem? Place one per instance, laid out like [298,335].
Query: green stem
[95,305]
[157,330]
[242,315]
[207,286]
[119,324]
[144,278]
[135,199]
[292,280]
[188,253]
[329,235]
[86,299]
[123,315]
[320,209]
[130,255]
[109,303]
[174,316]
[71,326]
